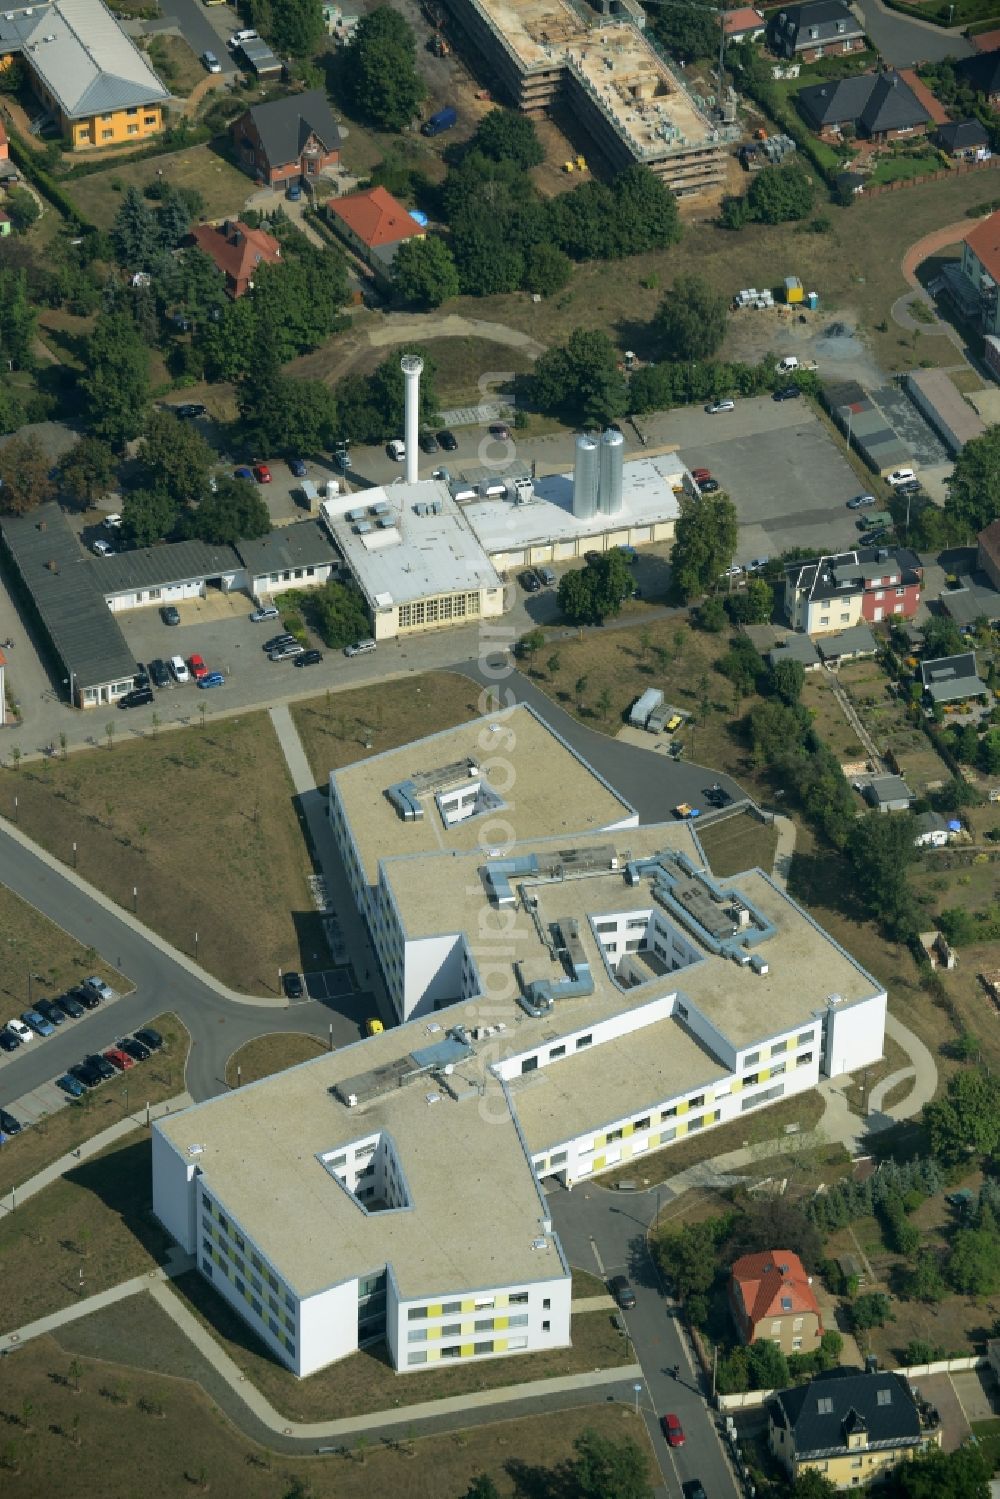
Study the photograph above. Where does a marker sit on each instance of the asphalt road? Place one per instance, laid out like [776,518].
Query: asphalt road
[904,41]
[192,19]
[605,1232]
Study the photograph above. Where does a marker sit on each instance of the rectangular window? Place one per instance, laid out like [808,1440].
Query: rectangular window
[546,1303]
[529,1064]
[805,1038]
[546,1327]
[697,1101]
[453,1351]
[132,129]
[206,1267]
[223,1223]
[557,1051]
[206,1203]
[255,1262]
[751,1079]
[806,1056]
[614,1134]
[518,1298]
[582,1041]
[520,1320]
[149,120]
[416,1358]
[240,1244]
[481,1348]
[417,1335]
[483,1324]
[751,1058]
[272,1324]
[415,1313]
[451,1308]
[642,1123]
[485,1303]
[290,1345]
[240,1286]
[256,1306]
[290,1301]
[669,1113]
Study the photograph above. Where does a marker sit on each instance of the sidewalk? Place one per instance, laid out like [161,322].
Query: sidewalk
[88,1148]
[367,973]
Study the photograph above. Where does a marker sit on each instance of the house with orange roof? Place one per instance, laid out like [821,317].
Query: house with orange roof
[743,24]
[772,1299]
[237,251]
[374,225]
[981,271]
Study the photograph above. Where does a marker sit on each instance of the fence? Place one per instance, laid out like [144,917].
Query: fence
[959,170]
[751,1399]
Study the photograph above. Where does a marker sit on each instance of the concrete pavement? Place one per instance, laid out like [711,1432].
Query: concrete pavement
[904,41]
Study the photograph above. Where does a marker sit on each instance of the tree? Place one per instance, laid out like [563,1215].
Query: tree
[18,319]
[482,1487]
[787,678]
[88,471]
[508,135]
[12,413]
[812,1484]
[297,26]
[175,458]
[933,1474]
[606,1469]
[871,1310]
[752,605]
[967,1118]
[423,272]
[766,1221]
[575,596]
[687,31]
[692,319]
[973,498]
[22,208]
[704,543]
[24,475]
[173,220]
[115,382]
[380,70]
[338,612]
[881,851]
[711,616]
[779,194]
[135,235]
[286,414]
[925,1282]
[234,513]
[580,378]
[942,636]
[644,213]
[546,270]
[148,516]
[768,1366]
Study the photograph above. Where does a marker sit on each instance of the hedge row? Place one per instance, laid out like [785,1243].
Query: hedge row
[27,161]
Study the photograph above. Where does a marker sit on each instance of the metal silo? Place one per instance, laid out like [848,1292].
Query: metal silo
[610,480]
[585,478]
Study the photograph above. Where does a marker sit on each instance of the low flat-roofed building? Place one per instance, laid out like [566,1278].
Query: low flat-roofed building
[847,645]
[938,399]
[61,580]
[297,556]
[538,523]
[150,577]
[888,794]
[414,556]
[577,995]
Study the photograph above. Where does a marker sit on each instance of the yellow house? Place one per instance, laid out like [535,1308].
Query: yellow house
[850,1426]
[85,70]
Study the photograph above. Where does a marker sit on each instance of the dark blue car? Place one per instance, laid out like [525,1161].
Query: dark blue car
[298,467]
[70,1085]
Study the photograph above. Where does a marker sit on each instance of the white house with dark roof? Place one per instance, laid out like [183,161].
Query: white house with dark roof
[86,70]
[820,28]
[951,679]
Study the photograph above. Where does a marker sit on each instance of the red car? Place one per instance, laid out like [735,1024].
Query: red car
[672,1430]
[500,430]
[699,475]
[262,473]
[118,1058]
[198,667]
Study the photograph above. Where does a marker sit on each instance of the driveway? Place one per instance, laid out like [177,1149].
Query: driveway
[939,1389]
[204,28]
[904,41]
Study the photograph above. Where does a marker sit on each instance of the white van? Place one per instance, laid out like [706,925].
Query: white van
[396,449]
[787,365]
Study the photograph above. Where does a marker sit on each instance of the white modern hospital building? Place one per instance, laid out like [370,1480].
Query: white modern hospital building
[574,991]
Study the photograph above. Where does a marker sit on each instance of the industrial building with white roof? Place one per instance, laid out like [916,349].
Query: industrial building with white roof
[573,990]
[432,552]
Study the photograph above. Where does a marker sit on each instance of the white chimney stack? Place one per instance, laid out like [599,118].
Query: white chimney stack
[412,366]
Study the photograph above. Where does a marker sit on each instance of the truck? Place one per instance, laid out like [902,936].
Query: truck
[789,364]
[644,706]
[875,521]
[443,120]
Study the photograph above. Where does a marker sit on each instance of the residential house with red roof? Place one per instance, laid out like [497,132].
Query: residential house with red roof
[743,24]
[374,224]
[981,271]
[237,251]
[772,1299]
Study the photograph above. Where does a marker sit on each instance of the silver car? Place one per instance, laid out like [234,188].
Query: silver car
[286,652]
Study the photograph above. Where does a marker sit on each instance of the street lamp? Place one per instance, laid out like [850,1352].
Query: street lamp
[638,1391]
[125,1091]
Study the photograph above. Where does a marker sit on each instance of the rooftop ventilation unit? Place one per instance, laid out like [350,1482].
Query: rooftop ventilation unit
[363,527]
[353,515]
[195,1149]
[420,508]
[381,507]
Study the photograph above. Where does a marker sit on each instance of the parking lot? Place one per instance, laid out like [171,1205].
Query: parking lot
[46,1098]
[787,477]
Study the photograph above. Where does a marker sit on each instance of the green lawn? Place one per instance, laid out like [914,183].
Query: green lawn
[223,188]
[904,168]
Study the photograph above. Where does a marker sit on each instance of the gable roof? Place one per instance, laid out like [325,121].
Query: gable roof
[935,109]
[828,18]
[235,248]
[822,1413]
[962,135]
[989,542]
[773,1284]
[952,677]
[375,217]
[984,242]
[82,56]
[875,102]
[980,72]
[741,21]
[285,125]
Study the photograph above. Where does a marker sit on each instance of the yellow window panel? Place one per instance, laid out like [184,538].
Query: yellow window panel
[682,1129]
[600,1162]
[468,1350]
[682,1108]
[499,1322]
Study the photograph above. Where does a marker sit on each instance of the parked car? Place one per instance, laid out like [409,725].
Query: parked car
[700,475]
[758,564]
[735,571]
[500,431]
[672,1430]
[95,985]
[309,658]
[396,449]
[286,652]
[100,1064]
[71,1085]
[53,1014]
[213,679]
[38,1023]
[710,486]
[901,476]
[292,985]
[428,442]
[243,473]
[719,406]
[149,1038]
[359,648]
[910,487]
[178,669]
[860,501]
[23,1032]
[170,615]
[266,611]
[622,1292]
[86,998]
[694,1489]
[102,548]
[447,440]
[8,1040]
[299,467]
[120,1060]
[197,667]
[141,678]
[86,1074]
[787,393]
[237,38]
[139,697]
[8,1124]
[546,576]
[529,581]
[133,1048]
[188,410]
[70,1006]
[158,672]
[262,473]
[278,640]
[716,796]
[211,63]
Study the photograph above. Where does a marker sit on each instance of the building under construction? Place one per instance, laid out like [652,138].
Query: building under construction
[606,72]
